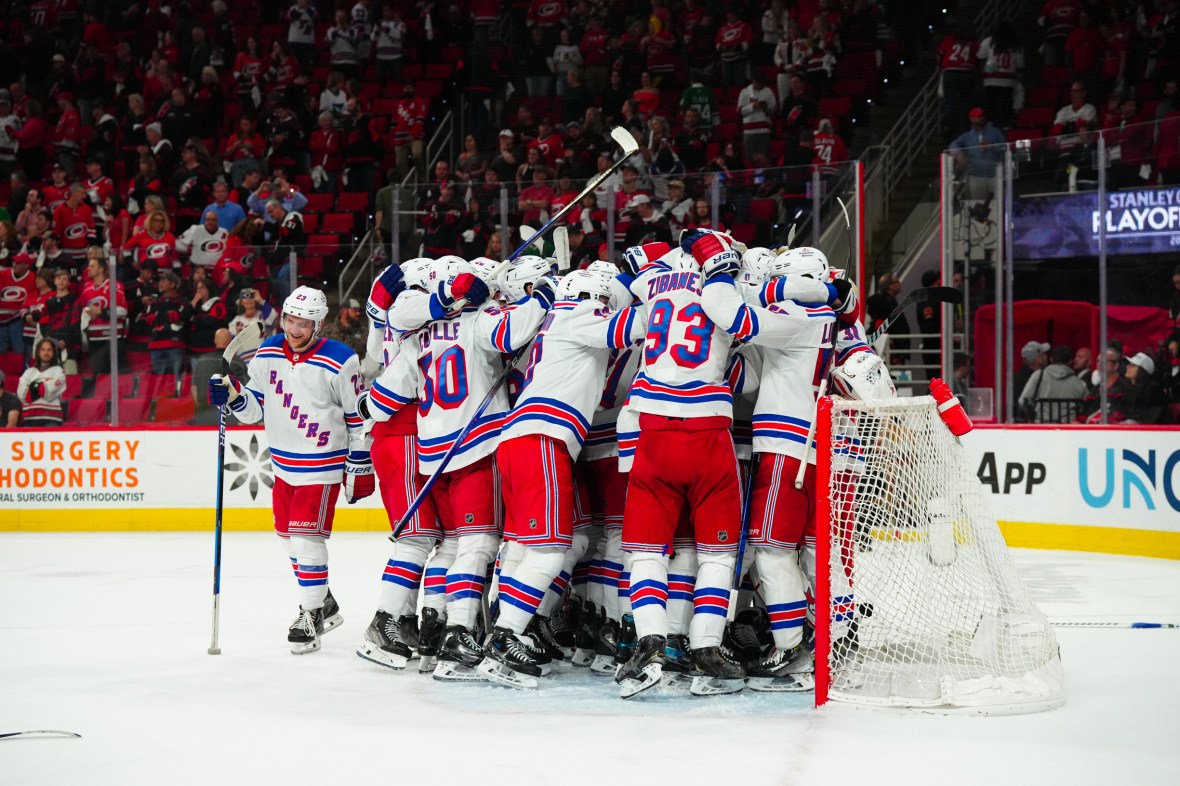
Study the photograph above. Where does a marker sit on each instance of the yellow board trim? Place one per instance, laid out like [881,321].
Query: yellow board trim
[1018,534]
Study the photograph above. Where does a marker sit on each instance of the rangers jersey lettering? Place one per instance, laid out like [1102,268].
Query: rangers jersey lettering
[566,366]
[458,360]
[686,354]
[307,402]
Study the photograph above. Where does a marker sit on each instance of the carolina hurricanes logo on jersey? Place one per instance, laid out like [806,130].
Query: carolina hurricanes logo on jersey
[12,295]
[157,250]
[731,35]
[252,69]
[75,231]
[215,246]
[286,73]
[548,10]
[248,259]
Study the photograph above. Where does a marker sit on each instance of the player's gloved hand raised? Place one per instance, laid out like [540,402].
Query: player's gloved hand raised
[545,291]
[466,287]
[713,252]
[359,481]
[388,286]
[223,389]
[844,295]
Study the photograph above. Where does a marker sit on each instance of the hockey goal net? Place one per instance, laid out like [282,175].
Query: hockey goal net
[918,602]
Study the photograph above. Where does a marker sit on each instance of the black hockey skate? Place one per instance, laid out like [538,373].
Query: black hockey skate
[605,646]
[563,623]
[429,637]
[384,643]
[642,672]
[536,645]
[716,672]
[304,633]
[783,671]
[542,630]
[507,661]
[458,656]
[748,636]
[677,662]
[407,626]
[589,621]
[627,639]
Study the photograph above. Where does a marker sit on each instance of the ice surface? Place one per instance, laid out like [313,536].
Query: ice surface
[105,634]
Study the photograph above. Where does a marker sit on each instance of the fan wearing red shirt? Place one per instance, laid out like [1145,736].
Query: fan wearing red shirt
[154,241]
[549,142]
[325,153]
[17,290]
[73,223]
[733,44]
[957,54]
[98,186]
[829,149]
[56,192]
[595,57]
[66,136]
[537,197]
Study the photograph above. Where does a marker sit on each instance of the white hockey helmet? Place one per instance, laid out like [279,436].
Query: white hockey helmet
[307,303]
[681,260]
[442,269]
[863,377]
[621,297]
[526,271]
[756,263]
[584,285]
[803,261]
[417,272]
[484,268]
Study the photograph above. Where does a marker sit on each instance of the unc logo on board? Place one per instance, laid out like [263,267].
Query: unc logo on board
[1150,480]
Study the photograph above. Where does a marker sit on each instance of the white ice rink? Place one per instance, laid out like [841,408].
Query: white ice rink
[105,634]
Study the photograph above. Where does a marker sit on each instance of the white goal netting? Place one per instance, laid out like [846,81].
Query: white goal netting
[922,603]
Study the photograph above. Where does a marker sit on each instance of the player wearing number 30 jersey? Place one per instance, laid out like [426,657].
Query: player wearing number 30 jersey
[304,388]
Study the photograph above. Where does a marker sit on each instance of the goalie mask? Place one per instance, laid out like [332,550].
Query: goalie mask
[525,272]
[863,377]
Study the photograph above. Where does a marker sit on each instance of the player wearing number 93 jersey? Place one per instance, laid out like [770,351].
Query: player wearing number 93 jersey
[684,458]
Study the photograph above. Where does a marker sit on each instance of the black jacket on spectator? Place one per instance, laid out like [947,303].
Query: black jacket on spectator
[63,321]
[362,140]
[179,123]
[168,322]
[205,320]
[282,237]
[442,228]
[640,232]
[192,188]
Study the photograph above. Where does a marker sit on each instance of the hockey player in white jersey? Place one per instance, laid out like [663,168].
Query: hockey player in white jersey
[796,339]
[393,635]
[459,358]
[541,438]
[303,388]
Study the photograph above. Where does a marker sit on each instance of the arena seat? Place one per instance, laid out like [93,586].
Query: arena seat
[175,410]
[133,411]
[87,411]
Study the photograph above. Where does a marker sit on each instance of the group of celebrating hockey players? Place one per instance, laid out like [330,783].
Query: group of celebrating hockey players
[593,511]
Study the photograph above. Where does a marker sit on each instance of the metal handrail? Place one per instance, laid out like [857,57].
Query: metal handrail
[432,147]
[920,120]
[363,251]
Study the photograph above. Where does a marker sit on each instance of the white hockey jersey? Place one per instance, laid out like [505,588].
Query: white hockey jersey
[567,363]
[307,403]
[459,358]
[203,247]
[686,353]
[795,339]
[602,441]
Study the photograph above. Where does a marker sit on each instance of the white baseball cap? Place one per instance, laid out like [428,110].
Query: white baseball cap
[1143,361]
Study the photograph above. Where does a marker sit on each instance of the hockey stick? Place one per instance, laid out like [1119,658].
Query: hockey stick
[39,732]
[630,147]
[248,339]
[748,492]
[936,294]
[561,248]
